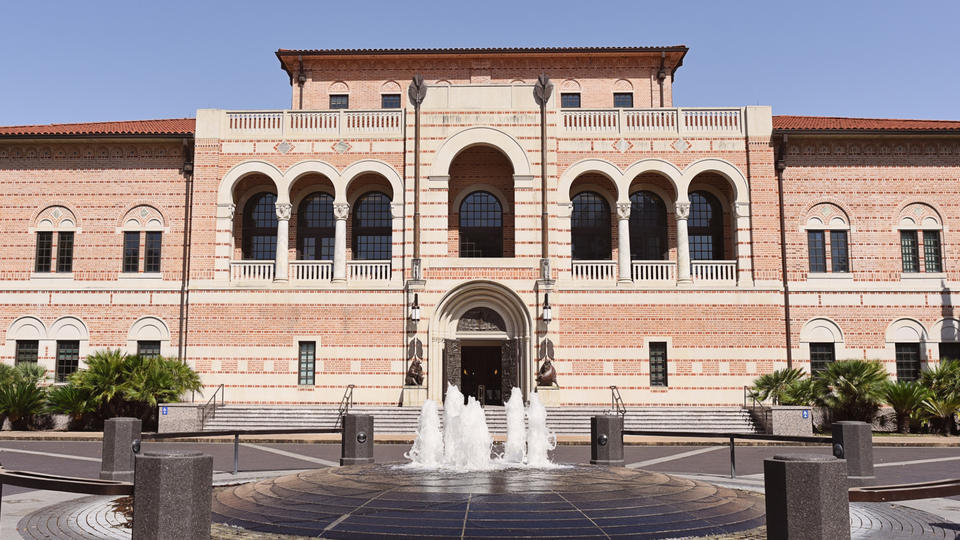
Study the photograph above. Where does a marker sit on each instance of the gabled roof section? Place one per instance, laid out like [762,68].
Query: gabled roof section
[140,128]
[833,124]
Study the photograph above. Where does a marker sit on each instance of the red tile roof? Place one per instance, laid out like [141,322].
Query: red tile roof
[831,123]
[175,126]
[482,50]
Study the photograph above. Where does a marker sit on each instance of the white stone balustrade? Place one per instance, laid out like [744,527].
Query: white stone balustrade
[305,124]
[311,270]
[674,122]
[714,271]
[251,271]
[368,271]
[594,270]
[654,271]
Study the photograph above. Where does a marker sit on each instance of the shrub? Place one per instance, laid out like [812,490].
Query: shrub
[30,371]
[71,400]
[800,392]
[942,409]
[774,385]
[20,400]
[852,389]
[942,381]
[906,398]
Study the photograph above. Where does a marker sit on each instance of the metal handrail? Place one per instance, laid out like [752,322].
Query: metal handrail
[616,403]
[345,403]
[749,395]
[211,408]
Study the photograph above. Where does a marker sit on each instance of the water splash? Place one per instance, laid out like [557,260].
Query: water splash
[474,442]
[515,449]
[452,408]
[427,450]
[540,440]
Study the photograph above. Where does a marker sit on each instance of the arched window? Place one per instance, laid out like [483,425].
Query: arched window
[481,226]
[372,233]
[648,227]
[590,227]
[260,227]
[705,227]
[315,228]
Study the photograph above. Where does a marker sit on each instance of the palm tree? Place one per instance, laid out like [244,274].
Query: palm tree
[106,378]
[906,398]
[943,409]
[852,389]
[20,400]
[772,386]
[71,400]
[942,380]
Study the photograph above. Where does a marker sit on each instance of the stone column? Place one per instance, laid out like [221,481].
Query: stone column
[340,212]
[282,261]
[853,441]
[806,497]
[741,239]
[356,443]
[683,244]
[606,440]
[172,494]
[116,461]
[623,243]
[225,240]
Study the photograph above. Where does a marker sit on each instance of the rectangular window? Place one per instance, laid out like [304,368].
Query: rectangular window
[27,351]
[839,258]
[131,251]
[147,349]
[151,252]
[65,252]
[68,359]
[623,100]
[908,361]
[931,251]
[821,354]
[44,251]
[817,251]
[949,352]
[308,355]
[908,251]
[389,101]
[570,100]
[658,364]
[339,101]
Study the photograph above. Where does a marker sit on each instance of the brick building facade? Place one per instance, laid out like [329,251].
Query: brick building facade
[688,250]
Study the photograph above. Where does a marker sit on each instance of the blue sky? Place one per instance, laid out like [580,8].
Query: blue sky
[119,60]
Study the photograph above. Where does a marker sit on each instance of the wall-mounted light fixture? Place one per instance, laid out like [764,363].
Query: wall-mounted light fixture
[415,309]
[547,314]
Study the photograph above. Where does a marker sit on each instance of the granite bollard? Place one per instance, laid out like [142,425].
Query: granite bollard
[853,441]
[116,453]
[172,494]
[606,440]
[806,497]
[356,443]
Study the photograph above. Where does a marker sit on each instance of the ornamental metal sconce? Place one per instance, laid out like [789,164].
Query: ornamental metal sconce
[547,312]
[415,309]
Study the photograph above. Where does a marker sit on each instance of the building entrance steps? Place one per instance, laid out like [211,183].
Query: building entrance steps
[561,420]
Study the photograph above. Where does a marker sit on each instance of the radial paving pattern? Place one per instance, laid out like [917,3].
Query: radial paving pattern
[572,502]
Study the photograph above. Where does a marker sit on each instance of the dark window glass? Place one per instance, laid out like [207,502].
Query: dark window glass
[148,348]
[339,101]
[151,251]
[658,364]
[908,361]
[316,228]
[623,99]
[481,226]
[570,100]
[308,355]
[821,354]
[260,227]
[816,251]
[949,352]
[908,251]
[27,351]
[65,252]
[44,251]
[931,251]
[372,228]
[389,101]
[131,251]
[68,358]
[705,227]
[648,227]
[839,257]
[590,228]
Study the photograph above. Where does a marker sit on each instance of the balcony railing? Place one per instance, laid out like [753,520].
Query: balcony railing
[306,124]
[311,270]
[715,271]
[666,122]
[251,270]
[594,270]
[368,270]
[654,271]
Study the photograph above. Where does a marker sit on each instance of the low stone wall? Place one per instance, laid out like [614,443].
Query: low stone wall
[178,417]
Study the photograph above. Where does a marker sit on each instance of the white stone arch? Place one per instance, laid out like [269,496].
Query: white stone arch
[587,166]
[480,135]
[366,166]
[26,328]
[946,330]
[149,328]
[496,192]
[821,330]
[241,170]
[662,167]
[741,191]
[68,327]
[906,330]
[310,166]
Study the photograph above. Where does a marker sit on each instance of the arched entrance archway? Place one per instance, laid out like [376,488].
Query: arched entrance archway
[480,335]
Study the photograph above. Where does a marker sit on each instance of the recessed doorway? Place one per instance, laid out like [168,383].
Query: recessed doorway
[481,369]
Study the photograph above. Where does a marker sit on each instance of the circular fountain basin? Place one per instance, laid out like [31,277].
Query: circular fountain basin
[580,501]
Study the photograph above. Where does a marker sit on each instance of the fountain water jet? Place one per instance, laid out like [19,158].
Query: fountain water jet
[540,440]
[427,448]
[515,449]
[452,408]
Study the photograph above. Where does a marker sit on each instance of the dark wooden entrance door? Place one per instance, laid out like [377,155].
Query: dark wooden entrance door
[482,366]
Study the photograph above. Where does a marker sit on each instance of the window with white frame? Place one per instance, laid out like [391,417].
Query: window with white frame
[828,247]
[921,250]
[307,363]
[55,229]
[142,241]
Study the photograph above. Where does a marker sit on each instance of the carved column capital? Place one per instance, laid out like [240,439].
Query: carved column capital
[683,210]
[341,210]
[283,211]
[741,209]
[396,209]
[230,209]
[623,210]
